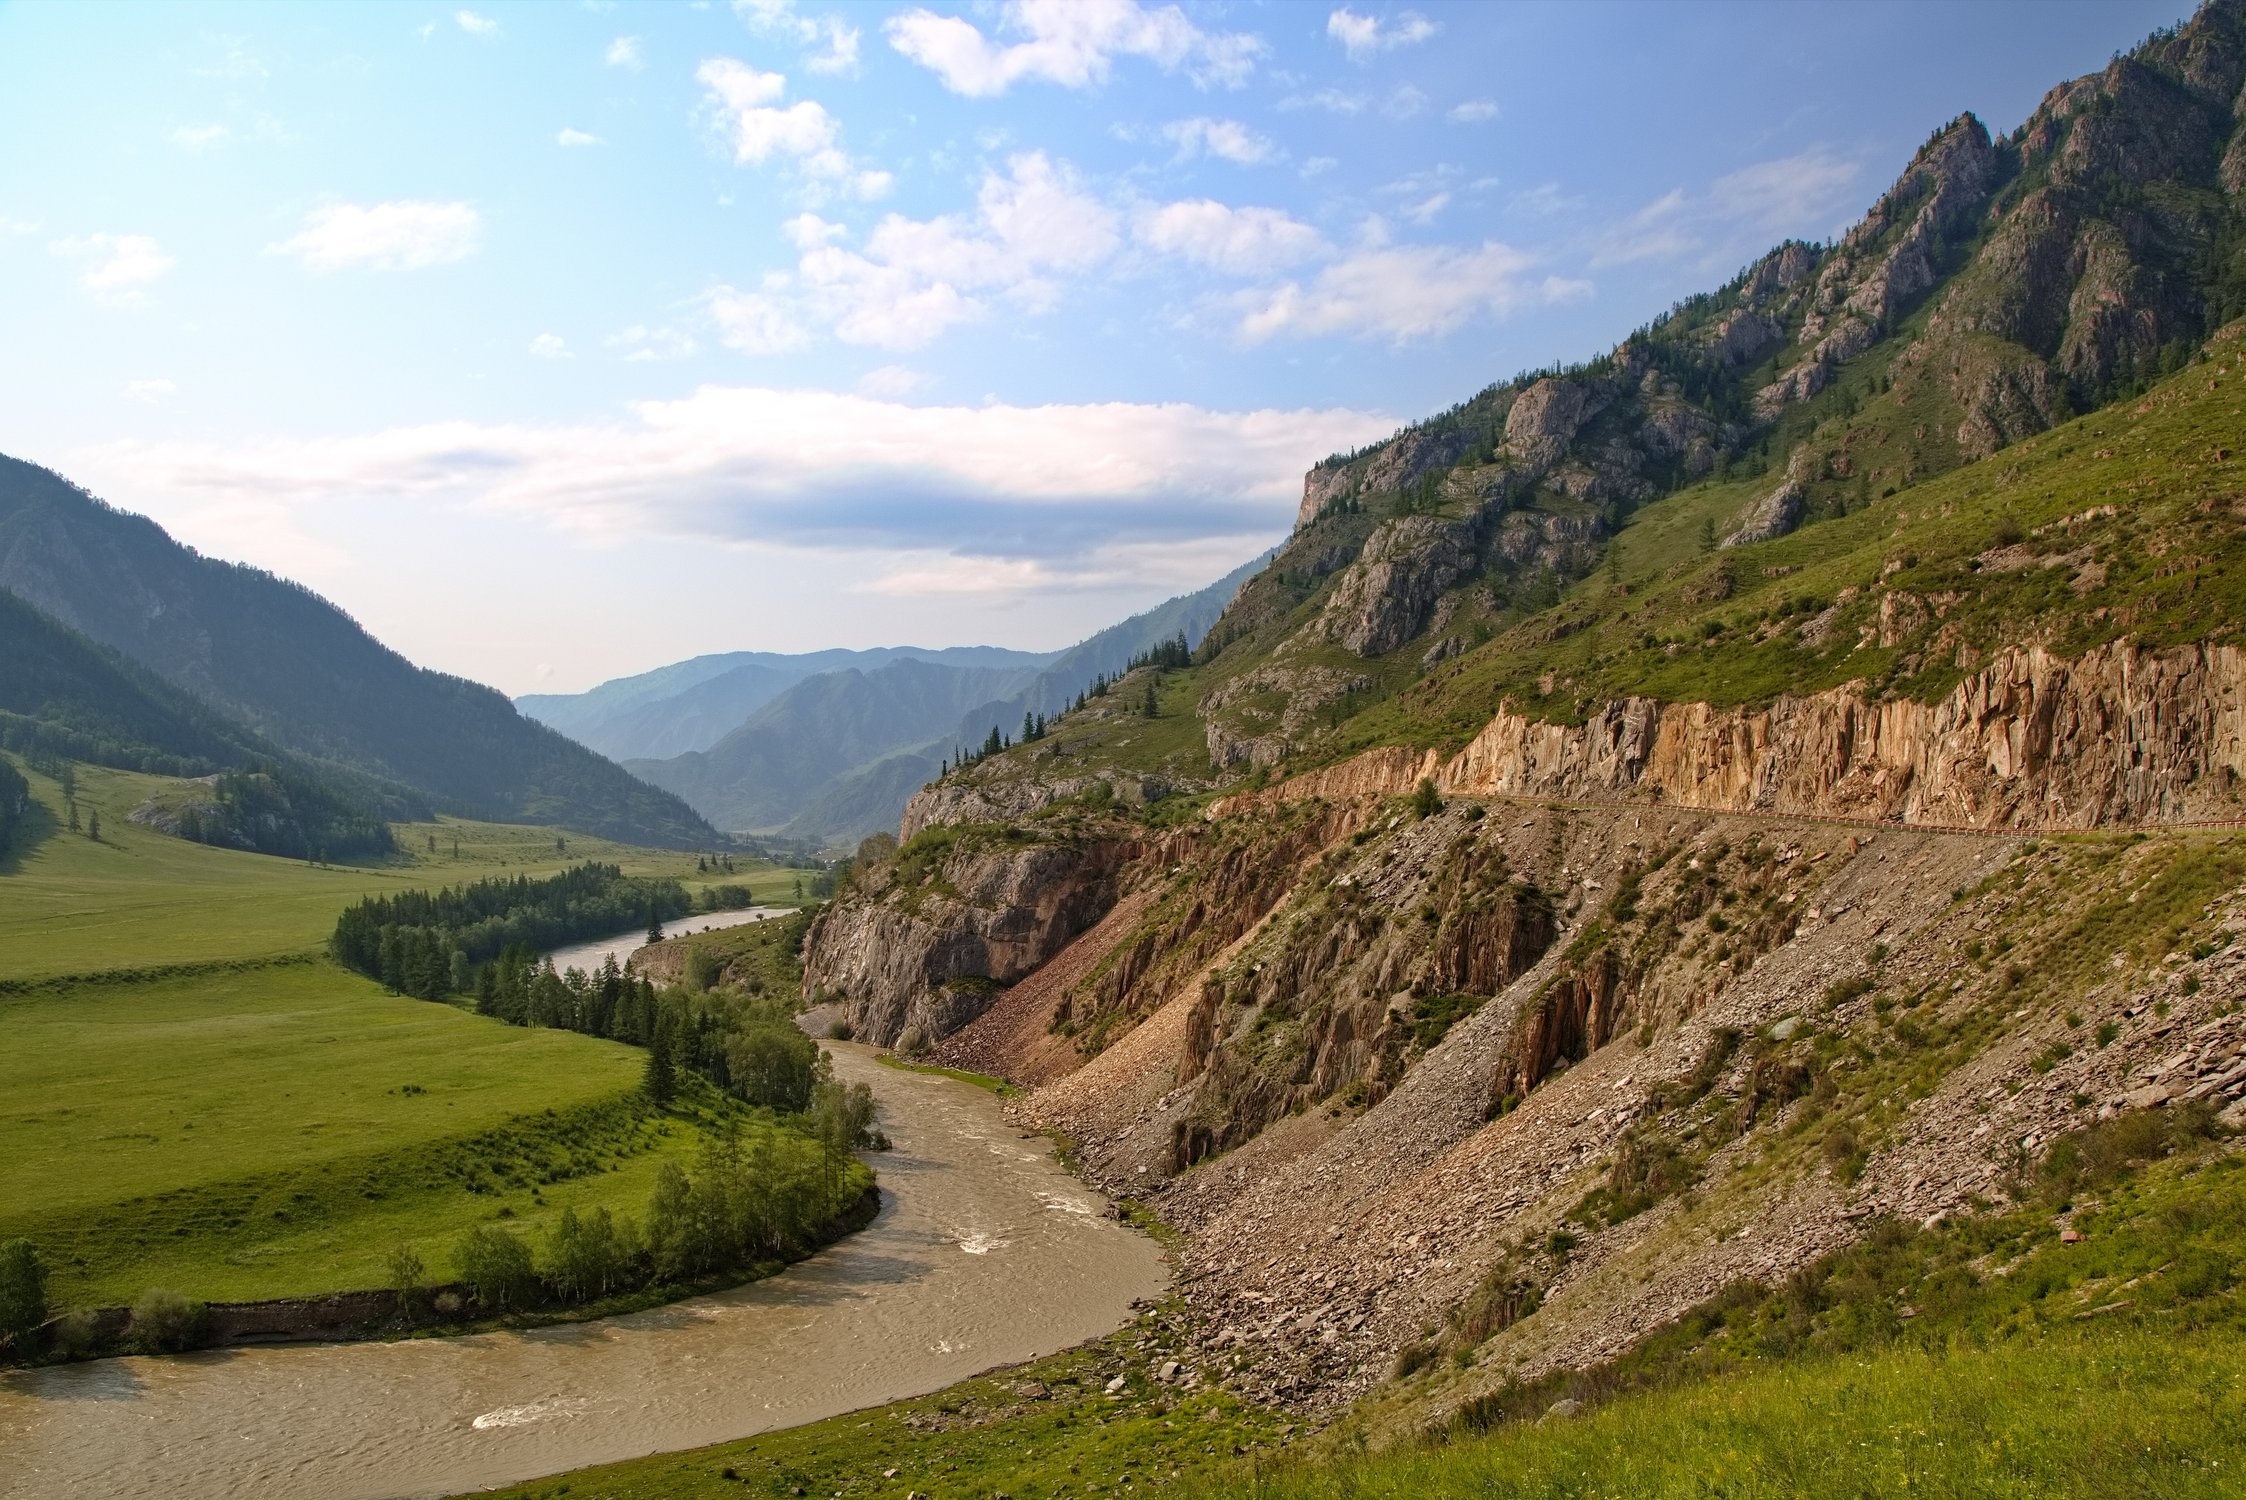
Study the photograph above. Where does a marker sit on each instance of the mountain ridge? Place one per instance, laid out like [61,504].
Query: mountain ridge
[301,673]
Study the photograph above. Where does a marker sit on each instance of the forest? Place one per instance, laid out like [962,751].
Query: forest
[428,943]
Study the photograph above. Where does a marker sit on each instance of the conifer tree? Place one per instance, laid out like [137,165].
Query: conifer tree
[662,1075]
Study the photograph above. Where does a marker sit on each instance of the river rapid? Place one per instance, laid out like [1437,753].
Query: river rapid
[986,1252]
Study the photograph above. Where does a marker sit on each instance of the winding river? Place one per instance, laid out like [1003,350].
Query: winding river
[985,1252]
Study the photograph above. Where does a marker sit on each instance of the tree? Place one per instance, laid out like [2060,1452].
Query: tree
[654,925]
[93,826]
[496,1264]
[409,1277]
[661,1081]
[1150,706]
[1707,534]
[1029,728]
[71,804]
[584,1256]
[1426,801]
[772,1063]
[23,1289]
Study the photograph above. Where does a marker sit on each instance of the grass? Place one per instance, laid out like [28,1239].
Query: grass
[191,1096]
[275,1131]
[141,898]
[2126,1415]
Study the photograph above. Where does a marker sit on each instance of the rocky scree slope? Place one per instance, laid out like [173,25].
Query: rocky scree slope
[1675,813]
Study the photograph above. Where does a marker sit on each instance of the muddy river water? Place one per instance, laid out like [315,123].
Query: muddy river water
[985,1252]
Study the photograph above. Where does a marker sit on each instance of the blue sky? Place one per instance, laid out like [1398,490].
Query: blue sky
[557,342]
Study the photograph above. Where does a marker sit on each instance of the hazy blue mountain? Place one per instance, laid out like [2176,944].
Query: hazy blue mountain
[1105,654]
[691,705]
[301,674]
[765,772]
[836,754]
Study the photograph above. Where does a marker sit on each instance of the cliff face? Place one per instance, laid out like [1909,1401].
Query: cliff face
[2123,736]
[917,968]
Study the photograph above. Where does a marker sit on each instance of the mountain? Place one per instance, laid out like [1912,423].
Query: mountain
[760,774]
[66,698]
[691,705]
[301,675]
[1672,830]
[836,754]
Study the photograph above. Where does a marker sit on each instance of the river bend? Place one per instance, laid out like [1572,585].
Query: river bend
[985,1252]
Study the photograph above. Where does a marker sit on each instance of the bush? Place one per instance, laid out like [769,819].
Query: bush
[166,1322]
[23,1289]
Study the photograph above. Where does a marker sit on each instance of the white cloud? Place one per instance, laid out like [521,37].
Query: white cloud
[150,391]
[836,39]
[567,136]
[1401,293]
[624,53]
[1332,101]
[641,343]
[1069,42]
[1243,241]
[199,137]
[1229,139]
[1425,210]
[890,382]
[1472,112]
[1319,165]
[1740,213]
[915,278]
[1364,37]
[1404,103]
[1775,197]
[1111,490]
[475,25]
[119,268]
[407,234]
[1544,200]
[550,346]
[809,231]
[753,322]
[746,102]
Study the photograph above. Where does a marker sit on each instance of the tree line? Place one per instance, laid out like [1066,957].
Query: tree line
[429,943]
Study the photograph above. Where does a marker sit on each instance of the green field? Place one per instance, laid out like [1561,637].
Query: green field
[141,898]
[244,1119]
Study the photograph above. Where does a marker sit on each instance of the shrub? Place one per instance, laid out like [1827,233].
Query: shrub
[166,1322]
[23,1289]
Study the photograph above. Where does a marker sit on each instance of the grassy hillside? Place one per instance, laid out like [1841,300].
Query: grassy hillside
[142,898]
[192,1096]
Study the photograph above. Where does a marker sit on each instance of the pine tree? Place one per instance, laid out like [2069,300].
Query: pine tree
[654,925]
[1029,728]
[93,826]
[72,804]
[662,1076]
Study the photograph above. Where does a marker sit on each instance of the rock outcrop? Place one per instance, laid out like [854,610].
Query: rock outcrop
[920,967]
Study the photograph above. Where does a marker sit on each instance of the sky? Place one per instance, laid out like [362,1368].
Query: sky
[557,342]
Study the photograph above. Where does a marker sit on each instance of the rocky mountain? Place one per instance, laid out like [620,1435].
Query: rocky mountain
[300,674]
[830,745]
[1667,819]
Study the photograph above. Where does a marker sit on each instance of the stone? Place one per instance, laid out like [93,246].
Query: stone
[1565,1407]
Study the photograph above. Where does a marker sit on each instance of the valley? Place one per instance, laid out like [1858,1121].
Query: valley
[1682,932]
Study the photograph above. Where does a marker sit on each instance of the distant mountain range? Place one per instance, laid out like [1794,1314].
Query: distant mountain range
[128,648]
[829,745]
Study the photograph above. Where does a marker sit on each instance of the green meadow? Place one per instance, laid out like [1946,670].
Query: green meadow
[141,899]
[193,1097]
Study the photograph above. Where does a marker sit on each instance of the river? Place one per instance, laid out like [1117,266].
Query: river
[588,956]
[985,1252]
